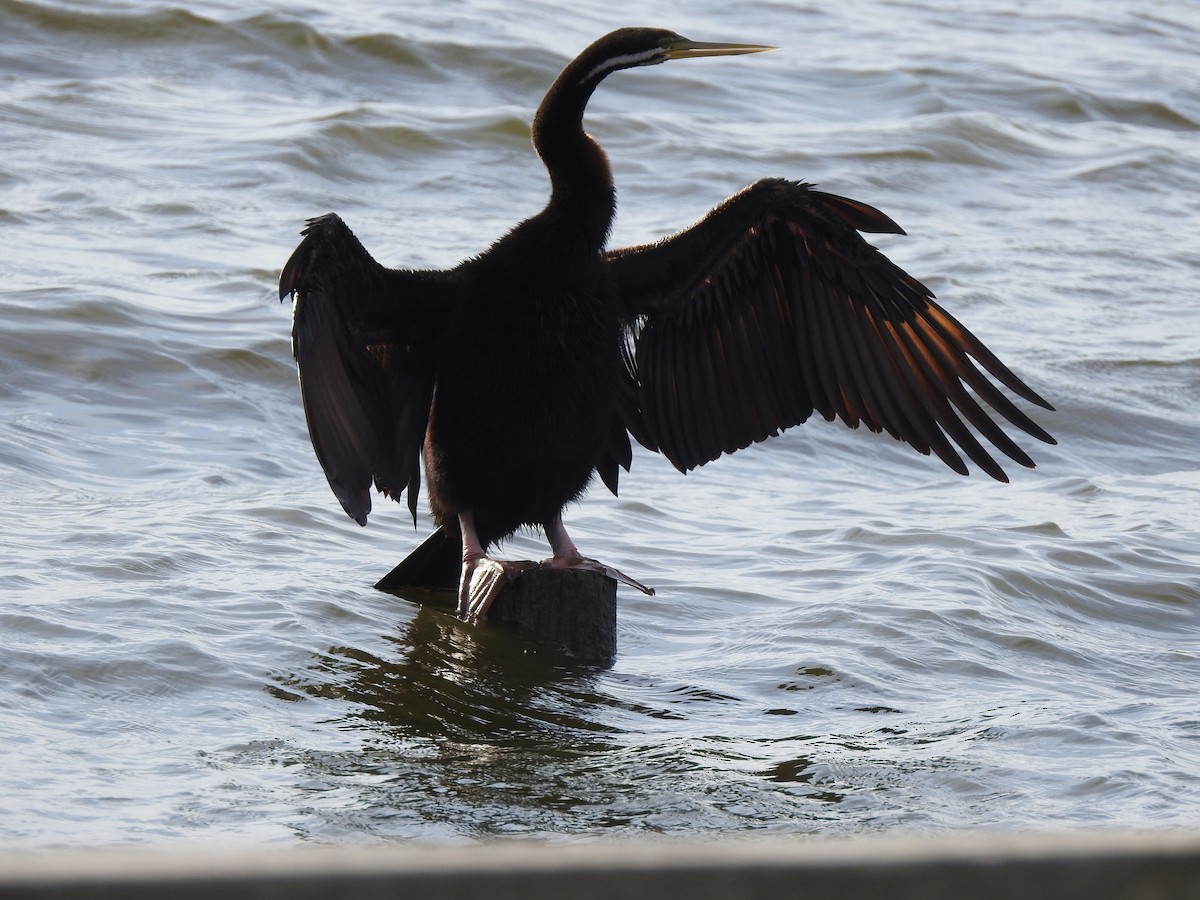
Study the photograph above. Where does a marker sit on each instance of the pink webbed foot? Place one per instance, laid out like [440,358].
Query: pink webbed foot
[582,562]
[567,556]
[483,578]
[481,582]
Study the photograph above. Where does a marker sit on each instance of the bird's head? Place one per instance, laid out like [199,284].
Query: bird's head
[629,47]
[573,158]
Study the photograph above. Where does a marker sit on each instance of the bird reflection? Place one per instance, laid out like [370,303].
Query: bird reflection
[477,689]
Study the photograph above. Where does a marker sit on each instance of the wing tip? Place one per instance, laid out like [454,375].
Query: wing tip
[355,501]
[858,215]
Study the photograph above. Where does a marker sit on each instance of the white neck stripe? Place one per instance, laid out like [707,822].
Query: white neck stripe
[621,62]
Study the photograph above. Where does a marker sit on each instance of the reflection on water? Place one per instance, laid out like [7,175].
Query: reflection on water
[464,686]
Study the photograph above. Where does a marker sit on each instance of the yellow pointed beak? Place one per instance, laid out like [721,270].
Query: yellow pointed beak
[685,49]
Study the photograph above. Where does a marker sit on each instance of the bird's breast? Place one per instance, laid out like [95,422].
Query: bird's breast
[537,342]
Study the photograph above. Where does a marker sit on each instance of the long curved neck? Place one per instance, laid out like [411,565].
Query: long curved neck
[580,178]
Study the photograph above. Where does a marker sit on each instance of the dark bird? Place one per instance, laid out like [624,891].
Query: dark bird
[524,370]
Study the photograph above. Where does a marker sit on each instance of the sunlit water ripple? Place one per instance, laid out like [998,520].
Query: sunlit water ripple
[846,636]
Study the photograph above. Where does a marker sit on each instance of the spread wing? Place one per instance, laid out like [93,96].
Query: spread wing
[363,337]
[773,306]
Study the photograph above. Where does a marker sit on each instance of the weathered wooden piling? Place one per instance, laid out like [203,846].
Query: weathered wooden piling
[572,609]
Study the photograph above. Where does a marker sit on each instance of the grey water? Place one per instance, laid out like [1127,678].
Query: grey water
[847,637]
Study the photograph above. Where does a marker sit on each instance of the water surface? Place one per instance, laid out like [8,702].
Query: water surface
[847,637]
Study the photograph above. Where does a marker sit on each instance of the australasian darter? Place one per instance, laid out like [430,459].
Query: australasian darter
[524,370]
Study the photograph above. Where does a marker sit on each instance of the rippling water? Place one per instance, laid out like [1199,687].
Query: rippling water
[846,637]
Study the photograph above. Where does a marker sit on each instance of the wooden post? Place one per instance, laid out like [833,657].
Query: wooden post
[572,608]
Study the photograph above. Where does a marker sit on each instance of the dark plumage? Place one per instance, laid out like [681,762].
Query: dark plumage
[522,371]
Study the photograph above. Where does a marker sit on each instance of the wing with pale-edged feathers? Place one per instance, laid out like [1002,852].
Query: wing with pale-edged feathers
[772,306]
[363,337]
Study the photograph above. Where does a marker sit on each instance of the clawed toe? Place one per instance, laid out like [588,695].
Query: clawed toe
[481,582]
[575,561]
[483,578]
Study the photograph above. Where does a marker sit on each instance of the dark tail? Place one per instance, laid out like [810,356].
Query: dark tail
[433,566]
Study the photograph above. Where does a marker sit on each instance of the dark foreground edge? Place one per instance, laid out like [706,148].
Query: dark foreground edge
[1104,866]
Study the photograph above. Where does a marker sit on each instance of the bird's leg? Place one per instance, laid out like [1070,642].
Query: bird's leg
[482,578]
[567,556]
